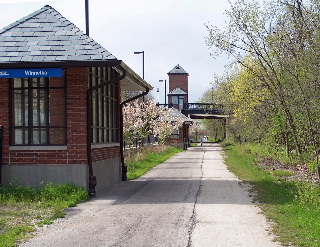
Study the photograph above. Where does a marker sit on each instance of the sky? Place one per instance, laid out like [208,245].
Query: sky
[170,32]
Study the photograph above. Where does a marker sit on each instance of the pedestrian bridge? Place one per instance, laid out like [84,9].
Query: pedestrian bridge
[200,110]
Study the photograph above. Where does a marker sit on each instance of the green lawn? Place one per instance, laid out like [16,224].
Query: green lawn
[23,207]
[147,159]
[293,206]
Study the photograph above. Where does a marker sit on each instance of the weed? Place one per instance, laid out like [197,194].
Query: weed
[142,162]
[9,238]
[308,194]
[280,173]
[293,206]
[23,207]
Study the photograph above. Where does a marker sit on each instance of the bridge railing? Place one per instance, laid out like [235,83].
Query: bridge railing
[196,106]
[202,106]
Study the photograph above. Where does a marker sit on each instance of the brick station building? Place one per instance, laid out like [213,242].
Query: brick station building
[177,99]
[60,104]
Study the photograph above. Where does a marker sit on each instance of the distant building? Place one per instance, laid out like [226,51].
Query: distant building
[178,99]
[181,136]
[60,105]
[178,87]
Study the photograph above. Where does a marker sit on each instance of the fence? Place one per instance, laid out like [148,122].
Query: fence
[137,143]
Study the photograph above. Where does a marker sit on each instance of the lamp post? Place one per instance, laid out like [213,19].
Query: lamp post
[158,95]
[165,90]
[87,16]
[141,52]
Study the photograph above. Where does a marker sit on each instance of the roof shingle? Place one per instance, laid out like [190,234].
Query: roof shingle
[177,91]
[46,36]
[177,70]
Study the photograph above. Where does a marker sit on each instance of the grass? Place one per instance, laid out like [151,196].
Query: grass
[146,159]
[293,206]
[193,144]
[22,208]
[280,173]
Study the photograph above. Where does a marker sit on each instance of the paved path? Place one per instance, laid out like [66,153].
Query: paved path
[189,200]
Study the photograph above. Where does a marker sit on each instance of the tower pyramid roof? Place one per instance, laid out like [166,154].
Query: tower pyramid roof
[177,70]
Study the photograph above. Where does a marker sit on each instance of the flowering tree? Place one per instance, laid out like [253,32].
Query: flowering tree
[166,124]
[141,119]
[195,129]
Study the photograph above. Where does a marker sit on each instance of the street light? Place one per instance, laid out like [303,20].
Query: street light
[158,95]
[165,90]
[87,16]
[141,52]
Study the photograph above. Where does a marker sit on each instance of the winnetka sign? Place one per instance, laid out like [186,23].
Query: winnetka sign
[30,73]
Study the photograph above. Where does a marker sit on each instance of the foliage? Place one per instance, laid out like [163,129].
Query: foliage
[195,127]
[196,130]
[247,93]
[21,207]
[272,92]
[141,119]
[293,206]
[277,173]
[214,128]
[143,161]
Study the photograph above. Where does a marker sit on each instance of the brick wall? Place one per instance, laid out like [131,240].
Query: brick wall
[76,152]
[77,85]
[4,117]
[99,154]
[178,80]
[36,157]
[181,134]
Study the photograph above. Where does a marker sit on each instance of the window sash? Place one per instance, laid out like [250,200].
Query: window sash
[31,110]
[104,105]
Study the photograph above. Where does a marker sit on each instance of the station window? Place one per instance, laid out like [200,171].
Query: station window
[175,100]
[104,105]
[38,111]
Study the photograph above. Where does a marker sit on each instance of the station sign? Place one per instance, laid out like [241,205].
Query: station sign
[31,73]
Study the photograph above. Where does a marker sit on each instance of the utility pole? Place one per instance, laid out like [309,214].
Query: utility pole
[87,16]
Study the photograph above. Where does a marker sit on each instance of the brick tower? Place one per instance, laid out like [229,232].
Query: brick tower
[178,87]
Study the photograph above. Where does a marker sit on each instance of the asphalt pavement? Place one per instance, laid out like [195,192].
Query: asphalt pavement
[189,200]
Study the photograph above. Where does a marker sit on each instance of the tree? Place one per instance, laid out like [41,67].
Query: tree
[278,44]
[141,119]
[166,124]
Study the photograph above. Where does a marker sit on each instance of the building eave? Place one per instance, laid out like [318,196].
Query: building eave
[132,81]
[64,64]
[137,83]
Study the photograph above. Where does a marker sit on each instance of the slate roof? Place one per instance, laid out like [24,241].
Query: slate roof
[46,36]
[177,91]
[177,113]
[177,70]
